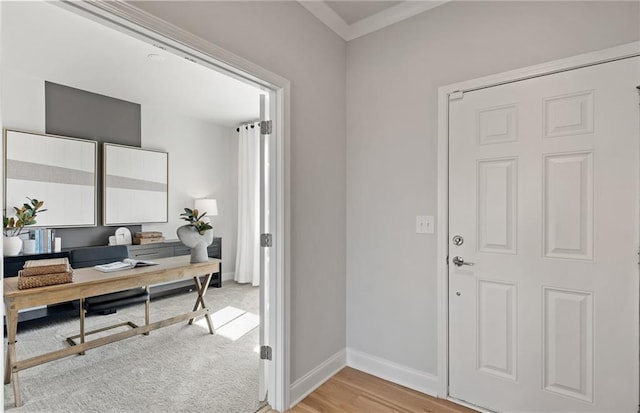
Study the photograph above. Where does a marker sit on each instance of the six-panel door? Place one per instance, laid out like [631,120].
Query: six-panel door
[544,191]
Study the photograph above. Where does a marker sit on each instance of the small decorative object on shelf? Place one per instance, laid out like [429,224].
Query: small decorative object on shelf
[196,235]
[147,237]
[13,226]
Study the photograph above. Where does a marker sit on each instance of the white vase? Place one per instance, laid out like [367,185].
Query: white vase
[12,246]
[198,243]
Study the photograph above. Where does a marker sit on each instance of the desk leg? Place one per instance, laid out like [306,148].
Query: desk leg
[82,321]
[147,310]
[202,290]
[11,375]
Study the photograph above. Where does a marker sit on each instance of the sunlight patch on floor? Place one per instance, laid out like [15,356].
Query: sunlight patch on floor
[239,327]
[231,322]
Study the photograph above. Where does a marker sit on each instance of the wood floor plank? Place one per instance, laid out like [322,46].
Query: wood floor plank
[353,391]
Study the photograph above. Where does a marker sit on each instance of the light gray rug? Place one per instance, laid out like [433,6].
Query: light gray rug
[179,368]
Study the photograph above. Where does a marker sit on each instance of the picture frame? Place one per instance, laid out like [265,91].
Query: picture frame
[59,170]
[135,185]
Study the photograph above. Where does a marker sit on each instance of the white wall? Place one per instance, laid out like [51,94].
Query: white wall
[22,101]
[286,39]
[202,164]
[392,81]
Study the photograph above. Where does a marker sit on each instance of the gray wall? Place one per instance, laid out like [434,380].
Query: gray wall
[392,80]
[81,114]
[286,39]
[389,146]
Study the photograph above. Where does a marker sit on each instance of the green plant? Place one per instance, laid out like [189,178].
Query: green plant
[14,225]
[195,220]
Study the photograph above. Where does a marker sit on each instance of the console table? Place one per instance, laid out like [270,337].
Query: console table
[89,282]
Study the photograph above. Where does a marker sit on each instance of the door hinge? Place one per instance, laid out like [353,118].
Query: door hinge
[266,240]
[458,94]
[266,127]
[265,353]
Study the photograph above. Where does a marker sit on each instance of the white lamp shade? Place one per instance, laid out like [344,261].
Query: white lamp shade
[210,206]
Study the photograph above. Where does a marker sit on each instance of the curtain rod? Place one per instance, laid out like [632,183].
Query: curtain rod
[247,126]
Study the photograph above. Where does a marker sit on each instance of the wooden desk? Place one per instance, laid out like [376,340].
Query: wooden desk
[88,282]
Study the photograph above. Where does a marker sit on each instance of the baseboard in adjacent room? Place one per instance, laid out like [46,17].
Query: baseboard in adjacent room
[306,384]
[396,373]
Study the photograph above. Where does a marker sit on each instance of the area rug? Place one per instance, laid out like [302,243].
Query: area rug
[180,368]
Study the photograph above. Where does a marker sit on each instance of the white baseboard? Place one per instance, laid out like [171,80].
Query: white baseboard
[396,373]
[306,384]
[228,276]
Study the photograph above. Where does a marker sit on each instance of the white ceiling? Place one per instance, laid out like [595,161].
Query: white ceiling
[351,19]
[352,11]
[43,40]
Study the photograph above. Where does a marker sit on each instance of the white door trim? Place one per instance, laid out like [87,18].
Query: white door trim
[139,23]
[587,59]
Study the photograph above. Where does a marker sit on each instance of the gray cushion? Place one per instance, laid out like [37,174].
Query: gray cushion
[90,256]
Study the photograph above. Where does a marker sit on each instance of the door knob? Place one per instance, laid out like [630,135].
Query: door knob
[459,262]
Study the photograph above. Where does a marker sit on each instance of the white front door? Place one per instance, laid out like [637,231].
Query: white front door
[544,179]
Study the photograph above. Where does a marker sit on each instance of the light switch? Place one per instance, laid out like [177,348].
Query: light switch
[424,224]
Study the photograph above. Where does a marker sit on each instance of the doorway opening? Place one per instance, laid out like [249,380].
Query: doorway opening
[166,45]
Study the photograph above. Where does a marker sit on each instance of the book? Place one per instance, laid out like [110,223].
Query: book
[45,266]
[147,240]
[148,234]
[125,264]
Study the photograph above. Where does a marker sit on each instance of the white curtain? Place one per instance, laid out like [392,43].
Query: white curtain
[248,251]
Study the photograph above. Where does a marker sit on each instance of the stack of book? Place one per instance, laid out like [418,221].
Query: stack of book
[44,238]
[40,273]
[147,237]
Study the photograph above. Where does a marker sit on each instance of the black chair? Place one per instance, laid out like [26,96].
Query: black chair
[106,303]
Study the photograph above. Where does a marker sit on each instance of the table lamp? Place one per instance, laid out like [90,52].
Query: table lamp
[210,206]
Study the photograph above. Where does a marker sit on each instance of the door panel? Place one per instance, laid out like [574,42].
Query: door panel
[497,345]
[568,343]
[568,205]
[497,205]
[544,190]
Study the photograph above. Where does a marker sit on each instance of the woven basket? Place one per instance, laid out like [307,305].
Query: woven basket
[34,281]
[47,266]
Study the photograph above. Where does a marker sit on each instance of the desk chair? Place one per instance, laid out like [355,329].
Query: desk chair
[106,303]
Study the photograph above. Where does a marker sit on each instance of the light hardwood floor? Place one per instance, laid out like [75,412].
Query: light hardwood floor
[352,391]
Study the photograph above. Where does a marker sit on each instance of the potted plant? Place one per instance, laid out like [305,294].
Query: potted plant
[14,226]
[196,234]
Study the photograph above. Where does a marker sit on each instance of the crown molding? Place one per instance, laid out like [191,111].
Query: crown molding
[370,24]
[390,16]
[327,16]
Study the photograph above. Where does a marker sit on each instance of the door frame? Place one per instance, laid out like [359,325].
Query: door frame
[442,224]
[145,26]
